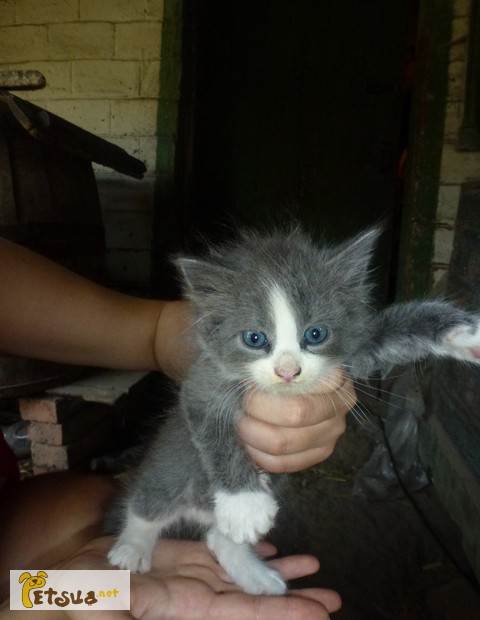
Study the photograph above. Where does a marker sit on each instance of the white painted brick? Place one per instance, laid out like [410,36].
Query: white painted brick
[127,143]
[143,148]
[112,10]
[93,78]
[458,52]
[93,116]
[140,40]
[461,7]
[150,78]
[458,47]
[439,274]
[460,28]
[458,166]
[453,120]
[121,193]
[134,117]
[443,245]
[154,9]
[147,151]
[448,200]
[7,12]
[45,11]
[456,80]
[12,43]
[76,40]
[128,230]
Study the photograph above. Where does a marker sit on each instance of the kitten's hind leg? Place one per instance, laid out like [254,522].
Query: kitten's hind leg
[244,567]
[134,547]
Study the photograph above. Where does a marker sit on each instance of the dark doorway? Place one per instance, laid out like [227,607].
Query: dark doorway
[293,110]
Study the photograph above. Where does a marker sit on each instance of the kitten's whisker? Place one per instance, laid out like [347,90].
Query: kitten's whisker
[382,398]
[363,416]
[200,319]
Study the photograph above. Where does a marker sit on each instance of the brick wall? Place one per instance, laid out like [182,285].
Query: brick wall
[456,166]
[102,62]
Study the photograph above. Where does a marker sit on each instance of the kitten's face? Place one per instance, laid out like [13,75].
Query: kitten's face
[290,357]
[278,313]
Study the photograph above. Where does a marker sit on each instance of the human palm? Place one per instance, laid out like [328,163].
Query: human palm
[186,583]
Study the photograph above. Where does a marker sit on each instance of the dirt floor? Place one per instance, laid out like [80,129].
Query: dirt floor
[390,555]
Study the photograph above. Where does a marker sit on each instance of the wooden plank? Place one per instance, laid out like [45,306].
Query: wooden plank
[55,131]
[31,184]
[8,213]
[73,188]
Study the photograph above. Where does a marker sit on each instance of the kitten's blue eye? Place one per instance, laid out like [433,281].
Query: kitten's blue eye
[316,335]
[255,340]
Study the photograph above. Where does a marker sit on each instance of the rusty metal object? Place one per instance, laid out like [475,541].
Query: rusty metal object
[22,80]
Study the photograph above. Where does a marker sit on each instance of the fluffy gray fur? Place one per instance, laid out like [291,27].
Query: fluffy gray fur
[196,469]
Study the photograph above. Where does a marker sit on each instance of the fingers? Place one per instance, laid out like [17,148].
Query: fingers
[334,395]
[296,566]
[290,463]
[328,598]
[291,433]
[284,440]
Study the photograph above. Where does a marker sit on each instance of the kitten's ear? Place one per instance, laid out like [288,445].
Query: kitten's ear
[200,275]
[353,256]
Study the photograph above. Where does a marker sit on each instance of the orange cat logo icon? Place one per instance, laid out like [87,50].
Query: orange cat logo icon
[30,583]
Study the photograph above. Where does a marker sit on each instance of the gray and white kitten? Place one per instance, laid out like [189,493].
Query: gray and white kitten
[274,313]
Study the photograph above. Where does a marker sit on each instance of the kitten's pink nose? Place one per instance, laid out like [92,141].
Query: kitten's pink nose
[288,374]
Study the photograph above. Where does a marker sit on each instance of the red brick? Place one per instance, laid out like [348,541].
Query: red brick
[49,408]
[66,457]
[71,428]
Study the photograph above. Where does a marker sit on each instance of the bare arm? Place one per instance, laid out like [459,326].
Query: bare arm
[48,312]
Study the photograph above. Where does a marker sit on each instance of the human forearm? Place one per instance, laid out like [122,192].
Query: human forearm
[48,312]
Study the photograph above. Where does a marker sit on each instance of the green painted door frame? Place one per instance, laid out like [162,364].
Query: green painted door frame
[425,148]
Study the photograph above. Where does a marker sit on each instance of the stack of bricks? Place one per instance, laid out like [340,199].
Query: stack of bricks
[65,431]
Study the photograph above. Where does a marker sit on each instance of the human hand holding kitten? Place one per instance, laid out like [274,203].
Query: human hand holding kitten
[286,434]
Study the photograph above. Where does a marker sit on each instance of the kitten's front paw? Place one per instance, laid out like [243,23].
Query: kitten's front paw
[264,580]
[130,557]
[463,342]
[245,516]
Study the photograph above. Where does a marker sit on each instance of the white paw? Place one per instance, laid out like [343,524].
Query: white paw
[243,565]
[246,516]
[130,557]
[262,579]
[463,343]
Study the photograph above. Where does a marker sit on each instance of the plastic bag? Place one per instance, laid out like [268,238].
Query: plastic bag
[394,460]
[16,436]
